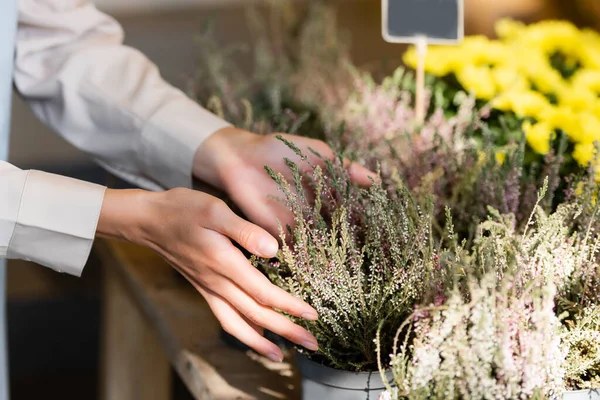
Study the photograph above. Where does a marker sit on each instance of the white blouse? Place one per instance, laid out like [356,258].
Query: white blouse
[110,101]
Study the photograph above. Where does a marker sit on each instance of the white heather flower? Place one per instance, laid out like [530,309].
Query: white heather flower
[385,396]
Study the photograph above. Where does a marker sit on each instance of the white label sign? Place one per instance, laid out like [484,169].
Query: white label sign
[439,21]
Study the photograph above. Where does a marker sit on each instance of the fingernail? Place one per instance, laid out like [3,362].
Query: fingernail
[311,316]
[268,248]
[275,357]
[310,345]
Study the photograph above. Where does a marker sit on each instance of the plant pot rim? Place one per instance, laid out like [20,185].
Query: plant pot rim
[337,378]
[597,390]
[584,394]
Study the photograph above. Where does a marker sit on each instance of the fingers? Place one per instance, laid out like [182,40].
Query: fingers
[233,323]
[360,175]
[264,211]
[229,262]
[252,237]
[260,315]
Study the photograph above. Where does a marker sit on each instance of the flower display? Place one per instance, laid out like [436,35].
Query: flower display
[492,300]
[511,329]
[546,74]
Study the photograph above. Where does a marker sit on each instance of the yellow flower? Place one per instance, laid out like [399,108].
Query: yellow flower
[563,118]
[550,36]
[590,128]
[509,79]
[579,191]
[536,68]
[477,80]
[590,49]
[595,109]
[508,29]
[538,136]
[479,50]
[523,103]
[500,157]
[587,79]
[543,76]
[529,104]
[481,157]
[577,98]
[438,61]
[584,153]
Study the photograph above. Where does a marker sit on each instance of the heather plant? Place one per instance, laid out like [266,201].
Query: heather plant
[361,257]
[582,339]
[522,320]
[292,69]
[452,157]
[379,121]
[488,343]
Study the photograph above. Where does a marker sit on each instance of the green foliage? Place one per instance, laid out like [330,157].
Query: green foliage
[362,257]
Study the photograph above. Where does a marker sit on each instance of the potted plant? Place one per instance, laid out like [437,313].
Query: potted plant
[522,322]
[362,258]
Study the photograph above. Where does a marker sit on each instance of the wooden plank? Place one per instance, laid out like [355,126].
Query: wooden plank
[190,334]
[134,366]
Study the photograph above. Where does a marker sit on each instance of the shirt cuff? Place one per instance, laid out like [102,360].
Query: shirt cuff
[56,222]
[171,137]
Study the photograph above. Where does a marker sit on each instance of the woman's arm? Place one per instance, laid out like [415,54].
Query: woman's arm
[105,98]
[47,218]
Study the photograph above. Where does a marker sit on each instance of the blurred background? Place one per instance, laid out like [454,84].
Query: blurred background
[54,319]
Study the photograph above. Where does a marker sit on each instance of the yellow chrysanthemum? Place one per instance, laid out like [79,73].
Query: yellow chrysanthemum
[536,69]
[543,76]
[438,61]
[538,136]
[587,79]
[508,29]
[577,98]
[563,118]
[479,50]
[579,188]
[551,36]
[590,128]
[595,109]
[500,157]
[529,104]
[509,79]
[522,103]
[481,157]
[579,191]
[590,49]
[516,74]
[477,80]
[584,153]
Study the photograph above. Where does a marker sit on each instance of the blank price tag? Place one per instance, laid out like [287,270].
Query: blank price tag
[440,21]
[422,22]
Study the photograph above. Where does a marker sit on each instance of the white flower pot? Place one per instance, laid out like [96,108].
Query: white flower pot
[593,394]
[320,382]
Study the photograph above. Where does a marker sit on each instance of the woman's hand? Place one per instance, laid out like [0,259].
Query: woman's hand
[193,232]
[233,160]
